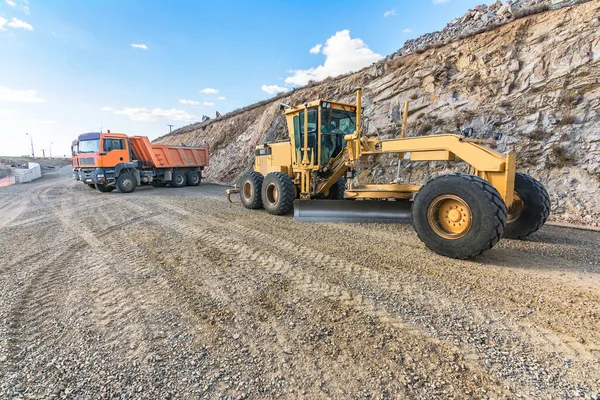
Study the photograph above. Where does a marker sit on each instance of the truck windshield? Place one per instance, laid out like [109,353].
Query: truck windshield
[89,146]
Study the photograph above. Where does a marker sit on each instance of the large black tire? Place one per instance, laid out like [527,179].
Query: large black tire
[530,209]
[250,190]
[104,189]
[336,192]
[178,179]
[126,183]
[91,185]
[459,215]
[193,178]
[278,193]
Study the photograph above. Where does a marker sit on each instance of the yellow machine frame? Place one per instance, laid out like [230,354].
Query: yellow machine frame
[301,166]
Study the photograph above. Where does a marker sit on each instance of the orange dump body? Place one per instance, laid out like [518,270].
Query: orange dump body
[165,156]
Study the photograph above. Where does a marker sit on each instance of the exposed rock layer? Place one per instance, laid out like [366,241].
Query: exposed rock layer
[535,80]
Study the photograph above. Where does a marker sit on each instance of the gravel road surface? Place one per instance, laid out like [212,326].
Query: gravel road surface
[176,293]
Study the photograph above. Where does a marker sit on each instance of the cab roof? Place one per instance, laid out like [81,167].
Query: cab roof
[96,135]
[315,103]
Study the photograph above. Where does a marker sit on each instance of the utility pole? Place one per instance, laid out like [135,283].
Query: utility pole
[43,153]
[170,127]
[50,148]
[31,137]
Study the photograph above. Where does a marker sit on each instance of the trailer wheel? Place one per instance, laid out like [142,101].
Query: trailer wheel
[250,190]
[337,190]
[104,189]
[530,208]
[178,179]
[126,183]
[459,215]
[91,185]
[278,193]
[193,178]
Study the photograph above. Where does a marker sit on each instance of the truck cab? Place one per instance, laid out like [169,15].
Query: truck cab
[98,155]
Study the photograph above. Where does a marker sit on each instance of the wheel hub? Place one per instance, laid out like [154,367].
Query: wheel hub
[516,209]
[272,194]
[449,216]
[247,190]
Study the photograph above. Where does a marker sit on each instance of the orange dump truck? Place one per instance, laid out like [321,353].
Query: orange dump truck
[106,161]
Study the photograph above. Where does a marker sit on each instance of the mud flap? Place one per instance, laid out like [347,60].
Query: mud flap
[364,211]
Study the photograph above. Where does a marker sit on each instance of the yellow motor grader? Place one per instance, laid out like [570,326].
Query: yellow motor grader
[457,215]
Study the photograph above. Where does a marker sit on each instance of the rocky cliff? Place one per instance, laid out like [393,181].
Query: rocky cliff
[535,79]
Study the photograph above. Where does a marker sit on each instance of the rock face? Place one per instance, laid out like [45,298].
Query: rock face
[535,80]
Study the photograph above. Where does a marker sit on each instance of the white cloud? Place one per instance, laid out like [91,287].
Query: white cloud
[188,102]
[272,89]
[11,3]
[221,98]
[316,49]
[342,54]
[389,13]
[106,108]
[208,103]
[440,1]
[139,46]
[210,91]
[15,23]
[407,30]
[145,114]
[19,96]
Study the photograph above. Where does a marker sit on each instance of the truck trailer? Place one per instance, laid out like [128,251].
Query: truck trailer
[106,161]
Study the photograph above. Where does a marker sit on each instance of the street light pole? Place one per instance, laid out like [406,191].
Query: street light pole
[50,148]
[31,137]
[170,128]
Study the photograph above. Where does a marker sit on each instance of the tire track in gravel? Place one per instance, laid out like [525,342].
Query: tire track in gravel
[39,324]
[232,243]
[528,344]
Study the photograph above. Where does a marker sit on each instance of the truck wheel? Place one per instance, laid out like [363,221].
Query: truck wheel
[337,190]
[250,187]
[91,185]
[104,189]
[530,208]
[193,178]
[178,180]
[278,193]
[459,215]
[126,183]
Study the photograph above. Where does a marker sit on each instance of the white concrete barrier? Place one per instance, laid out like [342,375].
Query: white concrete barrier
[34,171]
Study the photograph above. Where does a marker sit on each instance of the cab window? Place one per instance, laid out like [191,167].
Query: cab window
[312,130]
[110,144]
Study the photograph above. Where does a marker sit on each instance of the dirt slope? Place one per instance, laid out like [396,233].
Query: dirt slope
[176,292]
[536,80]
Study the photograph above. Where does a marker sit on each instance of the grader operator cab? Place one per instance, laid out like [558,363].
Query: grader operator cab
[458,215]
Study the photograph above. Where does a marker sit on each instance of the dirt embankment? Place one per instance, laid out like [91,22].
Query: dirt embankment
[178,293]
[536,80]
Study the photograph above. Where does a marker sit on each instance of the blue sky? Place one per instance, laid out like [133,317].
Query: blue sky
[68,67]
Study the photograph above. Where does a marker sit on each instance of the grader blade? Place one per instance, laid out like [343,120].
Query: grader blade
[363,211]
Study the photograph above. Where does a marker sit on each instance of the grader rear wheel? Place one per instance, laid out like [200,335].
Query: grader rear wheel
[278,193]
[459,215]
[530,208]
[250,187]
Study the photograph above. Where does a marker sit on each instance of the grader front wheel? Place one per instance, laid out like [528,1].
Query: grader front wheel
[459,215]
[530,208]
